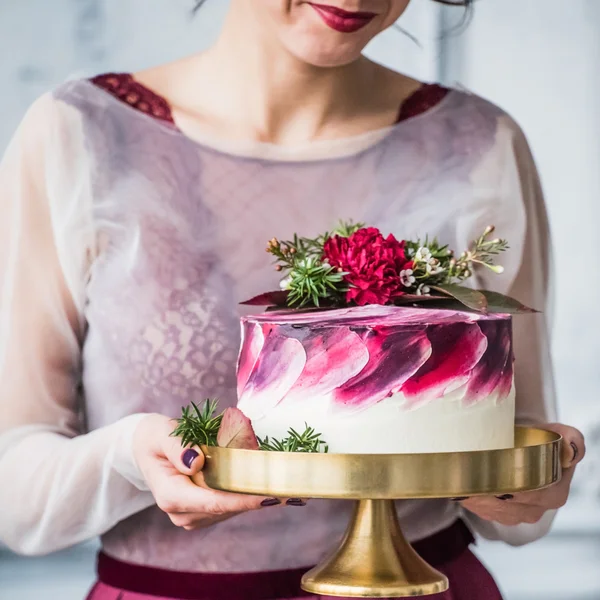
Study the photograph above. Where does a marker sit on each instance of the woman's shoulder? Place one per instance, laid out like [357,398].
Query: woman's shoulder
[109,93]
[69,100]
[468,118]
[47,117]
[481,107]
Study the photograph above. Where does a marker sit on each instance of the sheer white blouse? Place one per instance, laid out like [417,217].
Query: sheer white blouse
[125,248]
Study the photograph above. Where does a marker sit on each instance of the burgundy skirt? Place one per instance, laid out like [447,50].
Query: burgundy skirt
[448,551]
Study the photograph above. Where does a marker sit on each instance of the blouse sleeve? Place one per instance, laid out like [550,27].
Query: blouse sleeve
[522,219]
[60,485]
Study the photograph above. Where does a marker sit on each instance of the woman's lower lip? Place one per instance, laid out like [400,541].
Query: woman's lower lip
[342,21]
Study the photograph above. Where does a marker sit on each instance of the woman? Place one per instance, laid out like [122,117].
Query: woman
[135,211]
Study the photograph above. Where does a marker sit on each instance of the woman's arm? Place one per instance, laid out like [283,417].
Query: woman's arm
[533,285]
[527,517]
[59,487]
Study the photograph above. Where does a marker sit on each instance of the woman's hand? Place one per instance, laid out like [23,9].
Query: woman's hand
[529,507]
[167,468]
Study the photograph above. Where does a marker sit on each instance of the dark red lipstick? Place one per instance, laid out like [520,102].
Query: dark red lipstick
[342,20]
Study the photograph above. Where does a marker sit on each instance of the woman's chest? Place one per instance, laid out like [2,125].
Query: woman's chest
[181,247]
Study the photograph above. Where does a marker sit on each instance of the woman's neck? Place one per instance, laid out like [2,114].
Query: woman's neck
[248,86]
[284,98]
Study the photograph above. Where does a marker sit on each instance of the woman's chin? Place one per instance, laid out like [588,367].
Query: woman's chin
[337,55]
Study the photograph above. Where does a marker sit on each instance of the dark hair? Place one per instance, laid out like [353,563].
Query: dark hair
[466,18]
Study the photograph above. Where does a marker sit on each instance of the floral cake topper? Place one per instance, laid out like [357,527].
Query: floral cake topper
[356,265]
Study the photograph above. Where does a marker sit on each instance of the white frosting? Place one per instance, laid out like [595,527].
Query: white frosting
[442,425]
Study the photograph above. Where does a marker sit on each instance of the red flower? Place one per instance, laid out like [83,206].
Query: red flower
[373,264]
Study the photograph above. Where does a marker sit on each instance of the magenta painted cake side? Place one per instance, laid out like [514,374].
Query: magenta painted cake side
[358,357]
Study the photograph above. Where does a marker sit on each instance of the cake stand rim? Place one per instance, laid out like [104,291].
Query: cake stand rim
[532,464]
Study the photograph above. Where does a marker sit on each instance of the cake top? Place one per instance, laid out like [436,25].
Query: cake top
[371,315]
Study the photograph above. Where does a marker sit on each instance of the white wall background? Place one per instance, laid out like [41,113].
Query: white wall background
[537,59]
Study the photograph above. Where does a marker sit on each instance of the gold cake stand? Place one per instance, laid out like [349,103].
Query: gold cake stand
[374,560]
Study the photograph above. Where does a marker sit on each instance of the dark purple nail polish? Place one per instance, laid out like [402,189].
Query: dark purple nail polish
[188,457]
[295,502]
[505,497]
[575,451]
[459,499]
[270,502]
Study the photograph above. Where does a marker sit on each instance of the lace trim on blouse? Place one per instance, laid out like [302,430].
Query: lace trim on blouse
[424,99]
[126,89]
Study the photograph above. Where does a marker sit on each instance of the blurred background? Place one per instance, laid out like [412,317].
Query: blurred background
[539,60]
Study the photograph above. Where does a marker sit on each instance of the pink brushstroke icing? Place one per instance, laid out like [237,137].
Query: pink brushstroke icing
[493,374]
[394,356]
[357,357]
[456,350]
[279,365]
[252,343]
[333,356]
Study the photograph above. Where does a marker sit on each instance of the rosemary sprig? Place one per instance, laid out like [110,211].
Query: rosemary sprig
[308,441]
[314,281]
[198,426]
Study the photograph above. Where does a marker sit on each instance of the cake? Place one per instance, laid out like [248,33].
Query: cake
[380,379]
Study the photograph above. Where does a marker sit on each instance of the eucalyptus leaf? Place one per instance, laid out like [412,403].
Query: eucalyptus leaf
[473,299]
[499,303]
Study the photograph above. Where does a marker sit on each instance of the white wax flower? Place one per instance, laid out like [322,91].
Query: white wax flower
[407,278]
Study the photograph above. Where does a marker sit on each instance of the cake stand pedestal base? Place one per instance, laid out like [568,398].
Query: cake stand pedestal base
[374,560]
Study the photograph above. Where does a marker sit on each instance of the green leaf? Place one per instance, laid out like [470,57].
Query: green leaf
[278,298]
[472,299]
[499,303]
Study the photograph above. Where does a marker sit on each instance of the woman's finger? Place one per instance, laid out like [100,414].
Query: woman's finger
[552,497]
[506,512]
[515,515]
[187,461]
[176,494]
[573,445]
[191,521]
